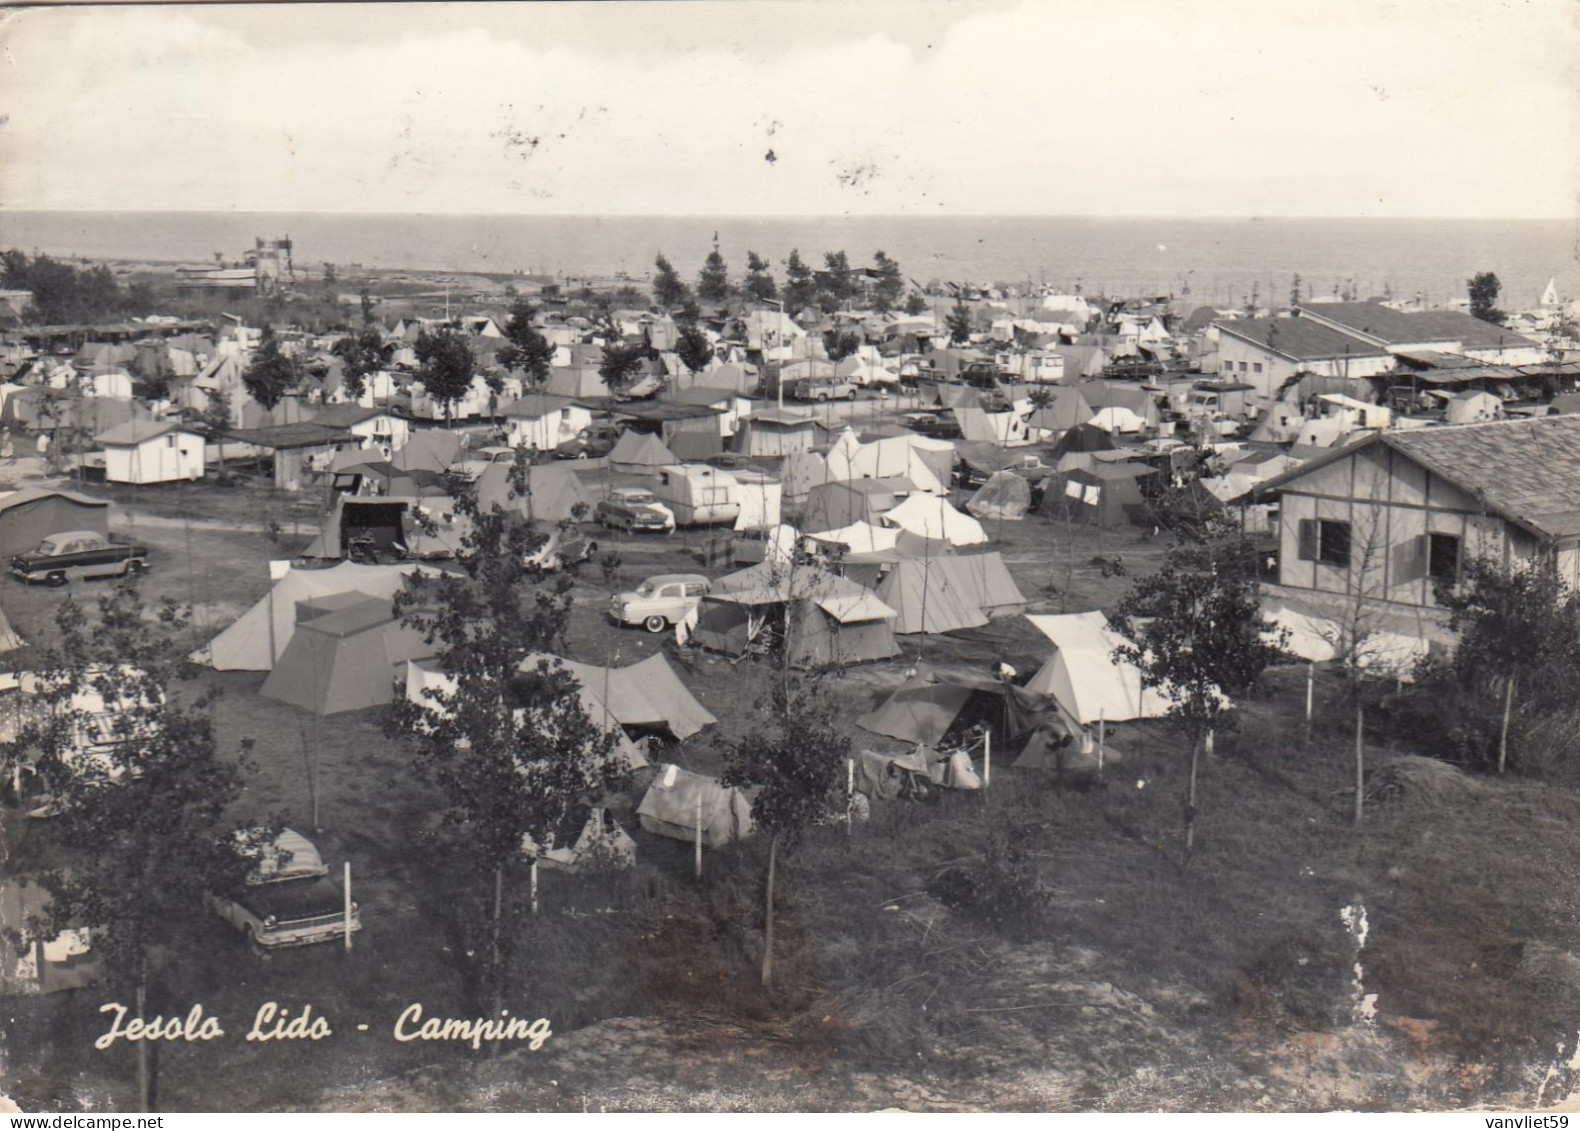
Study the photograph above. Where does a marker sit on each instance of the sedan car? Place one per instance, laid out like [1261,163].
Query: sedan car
[634,508]
[590,443]
[660,601]
[80,554]
[288,898]
[560,551]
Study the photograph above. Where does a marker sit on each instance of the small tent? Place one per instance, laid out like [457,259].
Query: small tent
[431,449]
[30,515]
[800,472]
[679,803]
[932,517]
[553,492]
[927,600]
[345,660]
[647,696]
[1086,679]
[841,502]
[37,966]
[984,581]
[602,843]
[1005,495]
[640,452]
[1107,495]
[9,640]
[1084,437]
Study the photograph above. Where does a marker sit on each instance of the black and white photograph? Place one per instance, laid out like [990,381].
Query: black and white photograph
[790,556]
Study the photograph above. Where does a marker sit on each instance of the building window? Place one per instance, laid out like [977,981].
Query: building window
[170,441]
[1242,367]
[1325,541]
[1443,558]
[1256,367]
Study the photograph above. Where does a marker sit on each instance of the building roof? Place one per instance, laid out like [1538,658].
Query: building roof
[537,406]
[1399,327]
[134,432]
[1525,471]
[345,415]
[302,434]
[1299,339]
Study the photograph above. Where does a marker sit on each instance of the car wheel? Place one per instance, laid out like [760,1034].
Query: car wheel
[592,548]
[822,397]
[55,580]
[250,933]
[581,455]
[655,624]
[850,396]
[134,567]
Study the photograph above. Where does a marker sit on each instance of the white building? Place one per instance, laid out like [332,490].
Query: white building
[543,422]
[142,451]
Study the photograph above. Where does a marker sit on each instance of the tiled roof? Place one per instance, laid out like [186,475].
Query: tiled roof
[1396,327]
[1299,339]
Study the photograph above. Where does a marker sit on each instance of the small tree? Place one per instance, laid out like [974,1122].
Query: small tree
[915,304]
[840,284]
[668,289]
[507,740]
[331,277]
[216,422]
[446,368]
[713,283]
[694,348]
[840,344]
[1294,291]
[270,375]
[759,281]
[1197,634]
[528,350]
[1484,291]
[361,357]
[141,813]
[959,323]
[800,286]
[366,300]
[796,760]
[890,286]
[621,364]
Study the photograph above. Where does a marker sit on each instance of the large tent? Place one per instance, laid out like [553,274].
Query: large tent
[908,456]
[1004,496]
[259,637]
[431,449]
[1084,676]
[345,660]
[9,640]
[927,600]
[30,515]
[932,517]
[839,503]
[379,519]
[640,452]
[553,491]
[679,803]
[860,537]
[647,696]
[985,581]
[827,619]
[1105,495]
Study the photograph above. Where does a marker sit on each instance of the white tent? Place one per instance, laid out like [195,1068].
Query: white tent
[932,517]
[861,537]
[1084,676]
[889,457]
[1382,653]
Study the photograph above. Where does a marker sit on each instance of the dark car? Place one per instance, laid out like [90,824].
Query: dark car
[80,554]
[942,427]
[634,508]
[590,443]
[1134,367]
[730,461]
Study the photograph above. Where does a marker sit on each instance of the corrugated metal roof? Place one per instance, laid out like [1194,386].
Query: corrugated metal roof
[1299,339]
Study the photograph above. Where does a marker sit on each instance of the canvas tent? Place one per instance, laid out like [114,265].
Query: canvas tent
[932,517]
[800,472]
[926,599]
[639,452]
[259,637]
[431,449]
[32,514]
[647,696]
[1086,679]
[841,502]
[679,803]
[1105,495]
[1082,438]
[1005,495]
[553,492]
[9,640]
[346,659]
[601,843]
[36,966]
[826,618]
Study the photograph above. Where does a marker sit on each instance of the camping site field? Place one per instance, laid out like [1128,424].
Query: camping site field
[1034,945]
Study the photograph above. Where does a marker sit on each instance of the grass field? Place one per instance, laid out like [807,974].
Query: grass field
[1033,946]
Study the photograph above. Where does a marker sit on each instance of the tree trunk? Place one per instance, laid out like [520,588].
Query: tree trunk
[1503,736]
[495,974]
[768,914]
[143,1104]
[1360,758]
[1190,802]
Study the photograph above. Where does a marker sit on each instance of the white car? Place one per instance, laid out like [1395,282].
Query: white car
[288,899]
[661,601]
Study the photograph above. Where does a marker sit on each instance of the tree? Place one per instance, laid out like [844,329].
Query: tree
[959,323]
[713,283]
[796,760]
[840,344]
[1197,633]
[366,299]
[140,816]
[759,281]
[270,375]
[1484,291]
[620,364]
[446,367]
[331,276]
[800,287]
[216,422]
[1294,291]
[694,348]
[915,304]
[840,284]
[361,357]
[528,350]
[668,289]
[890,286]
[506,739]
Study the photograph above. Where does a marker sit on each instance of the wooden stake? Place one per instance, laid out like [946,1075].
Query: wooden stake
[987,760]
[533,884]
[347,886]
[699,834]
[1311,685]
[1102,741]
[1360,758]
[1503,736]
[850,795]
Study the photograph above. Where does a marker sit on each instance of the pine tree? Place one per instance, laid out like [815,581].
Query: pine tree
[270,375]
[890,285]
[713,284]
[800,289]
[759,282]
[668,289]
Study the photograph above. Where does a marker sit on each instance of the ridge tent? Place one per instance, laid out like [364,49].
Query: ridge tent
[639,452]
[345,660]
[841,502]
[1086,679]
[553,492]
[645,696]
[246,644]
[932,517]
[9,640]
[908,457]
[800,472]
[860,537]
[984,581]
[602,843]
[1104,495]
[926,599]
[1085,437]
[430,449]
[672,804]
[30,515]
[1005,495]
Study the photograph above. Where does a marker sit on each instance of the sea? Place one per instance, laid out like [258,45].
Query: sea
[1211,261]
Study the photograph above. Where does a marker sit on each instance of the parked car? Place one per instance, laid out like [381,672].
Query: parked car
[632,509]
[80,554]
[944,427]
[288,899]
[730,461]
[560,551]
[477,462]
[823,391]
[660,601]
[590,443]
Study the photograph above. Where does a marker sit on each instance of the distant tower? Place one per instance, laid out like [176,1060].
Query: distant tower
[272,264]
[1550,295]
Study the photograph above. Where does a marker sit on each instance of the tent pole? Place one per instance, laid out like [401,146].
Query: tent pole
[699,834]
[987,759]
[1102,742]
[347,887]
[850,794]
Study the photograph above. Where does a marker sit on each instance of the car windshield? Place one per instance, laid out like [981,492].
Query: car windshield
[639,497]
[295,899]
[48,547]
[646,589]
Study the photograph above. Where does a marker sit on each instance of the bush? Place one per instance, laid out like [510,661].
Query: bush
[1002,886]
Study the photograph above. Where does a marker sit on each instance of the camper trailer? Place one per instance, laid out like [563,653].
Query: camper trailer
[698,495]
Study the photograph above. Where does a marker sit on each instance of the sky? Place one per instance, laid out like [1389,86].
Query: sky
[1394,108]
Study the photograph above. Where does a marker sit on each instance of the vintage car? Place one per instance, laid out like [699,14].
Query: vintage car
[288,898]
[559,551]
[940,427]
[634,508]
[660,601]
[823,391]
[478,460]
[80,554]
[591,442]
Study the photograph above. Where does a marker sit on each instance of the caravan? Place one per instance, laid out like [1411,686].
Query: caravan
[697,494]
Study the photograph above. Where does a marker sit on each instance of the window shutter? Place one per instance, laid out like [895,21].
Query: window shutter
[1308,539]
[1409,562]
